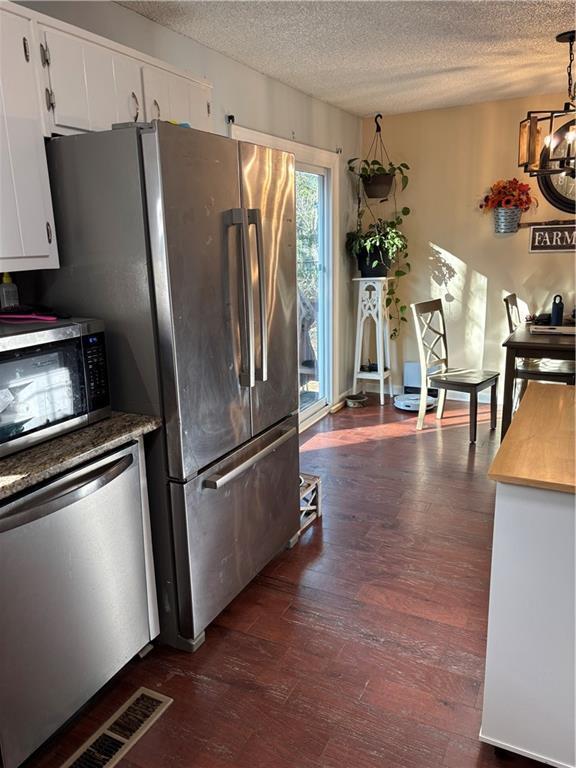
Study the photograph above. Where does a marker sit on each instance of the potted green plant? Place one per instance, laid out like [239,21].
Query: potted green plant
[376,178]
[378,247]
[381,251]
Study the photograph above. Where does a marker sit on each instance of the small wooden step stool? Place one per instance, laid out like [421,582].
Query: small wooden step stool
[310,507]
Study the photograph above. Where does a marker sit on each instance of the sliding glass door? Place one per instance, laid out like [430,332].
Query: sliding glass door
[311,219]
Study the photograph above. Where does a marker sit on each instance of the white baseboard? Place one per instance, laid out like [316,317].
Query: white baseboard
[306,422]
[343,395]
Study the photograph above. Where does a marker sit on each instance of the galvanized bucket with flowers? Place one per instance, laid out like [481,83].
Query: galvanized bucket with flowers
[508,200]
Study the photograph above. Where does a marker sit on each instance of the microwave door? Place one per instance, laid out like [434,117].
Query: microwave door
[42,389]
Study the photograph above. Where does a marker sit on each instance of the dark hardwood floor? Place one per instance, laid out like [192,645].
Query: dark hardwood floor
[363,647]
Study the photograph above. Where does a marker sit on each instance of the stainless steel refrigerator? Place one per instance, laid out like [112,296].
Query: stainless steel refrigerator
[183,242]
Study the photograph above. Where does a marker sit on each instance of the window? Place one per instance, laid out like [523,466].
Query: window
[312,294]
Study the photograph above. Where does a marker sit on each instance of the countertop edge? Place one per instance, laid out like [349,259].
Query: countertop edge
[67,451]
[538,448]
[528,482]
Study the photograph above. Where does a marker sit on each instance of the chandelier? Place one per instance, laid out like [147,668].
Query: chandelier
[547,139]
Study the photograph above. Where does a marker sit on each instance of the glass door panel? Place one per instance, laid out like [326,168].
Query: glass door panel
[311,275]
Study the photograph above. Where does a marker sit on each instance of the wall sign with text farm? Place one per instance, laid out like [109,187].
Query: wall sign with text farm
[554,237]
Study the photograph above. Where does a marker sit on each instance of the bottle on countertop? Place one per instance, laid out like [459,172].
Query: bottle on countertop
[557,310]
[8,292]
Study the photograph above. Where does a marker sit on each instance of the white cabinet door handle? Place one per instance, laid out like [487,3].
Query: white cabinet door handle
[137,105]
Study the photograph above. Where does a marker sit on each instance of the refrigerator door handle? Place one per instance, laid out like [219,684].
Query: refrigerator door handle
[216,481]
[255,217]
[238,217]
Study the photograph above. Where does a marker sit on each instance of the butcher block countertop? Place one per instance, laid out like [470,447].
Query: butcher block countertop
[538,449]
[41,462]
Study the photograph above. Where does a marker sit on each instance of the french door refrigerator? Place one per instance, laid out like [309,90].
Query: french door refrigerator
[183,242]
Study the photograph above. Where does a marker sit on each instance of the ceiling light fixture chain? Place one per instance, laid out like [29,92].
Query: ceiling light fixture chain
[571,88]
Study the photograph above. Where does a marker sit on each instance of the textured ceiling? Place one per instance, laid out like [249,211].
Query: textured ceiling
[391,56]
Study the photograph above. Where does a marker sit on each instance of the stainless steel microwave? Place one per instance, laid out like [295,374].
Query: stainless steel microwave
[53,379]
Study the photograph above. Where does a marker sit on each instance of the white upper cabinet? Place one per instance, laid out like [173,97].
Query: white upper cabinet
[80,82]
[156,93]
[27,235]
[179,96]
[90,87]
[170,97]
[100,87]
[200,96]
[57,79]
[66,89]
[128,89]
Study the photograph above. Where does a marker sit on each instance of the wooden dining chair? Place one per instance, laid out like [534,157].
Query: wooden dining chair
[541,369]
[434,370]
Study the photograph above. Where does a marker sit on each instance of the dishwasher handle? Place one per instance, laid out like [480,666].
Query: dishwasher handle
[68,492]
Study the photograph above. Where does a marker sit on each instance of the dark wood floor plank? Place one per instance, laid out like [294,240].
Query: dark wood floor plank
[362,647]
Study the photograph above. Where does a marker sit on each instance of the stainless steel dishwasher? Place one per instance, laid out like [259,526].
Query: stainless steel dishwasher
[73,595]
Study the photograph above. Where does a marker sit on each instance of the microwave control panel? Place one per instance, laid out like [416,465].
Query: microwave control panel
[97,390]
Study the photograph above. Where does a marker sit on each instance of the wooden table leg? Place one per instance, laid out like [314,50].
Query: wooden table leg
[473,415]
[493,404]
[508,390]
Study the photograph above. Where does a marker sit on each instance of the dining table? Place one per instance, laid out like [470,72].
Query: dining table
[523,344]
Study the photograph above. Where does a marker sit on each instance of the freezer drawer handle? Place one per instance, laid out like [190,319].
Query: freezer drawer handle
[68,493]
[255,217]
[238,217]
[214,482]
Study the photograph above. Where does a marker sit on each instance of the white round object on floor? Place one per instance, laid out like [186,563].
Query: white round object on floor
[412,402]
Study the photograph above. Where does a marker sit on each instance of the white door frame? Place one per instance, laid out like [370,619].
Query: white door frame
[307,155]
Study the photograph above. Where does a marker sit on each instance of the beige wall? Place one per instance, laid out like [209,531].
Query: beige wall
[454,156]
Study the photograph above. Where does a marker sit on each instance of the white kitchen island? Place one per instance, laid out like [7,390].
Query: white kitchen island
[530,683]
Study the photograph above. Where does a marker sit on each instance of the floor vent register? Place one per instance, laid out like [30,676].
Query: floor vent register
[118,735]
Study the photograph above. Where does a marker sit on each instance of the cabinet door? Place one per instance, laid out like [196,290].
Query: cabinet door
[200,115]
[128,82]
[100,87]
[27,239]
[156,93]
[68,80]
[83,81]
[179,98]
[172,97]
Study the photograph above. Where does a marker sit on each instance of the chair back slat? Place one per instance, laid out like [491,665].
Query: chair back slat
[430,326]
[512,311]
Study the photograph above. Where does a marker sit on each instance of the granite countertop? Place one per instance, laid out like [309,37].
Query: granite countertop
[41,462]
[539,447]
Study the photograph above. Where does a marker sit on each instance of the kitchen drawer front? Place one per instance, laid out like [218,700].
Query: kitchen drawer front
[73,597]
[224,536]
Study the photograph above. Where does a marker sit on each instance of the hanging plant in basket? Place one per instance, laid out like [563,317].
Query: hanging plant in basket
[380,248]
[508,200]
[376,172]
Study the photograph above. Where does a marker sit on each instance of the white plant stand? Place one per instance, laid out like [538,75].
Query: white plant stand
[371,307]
